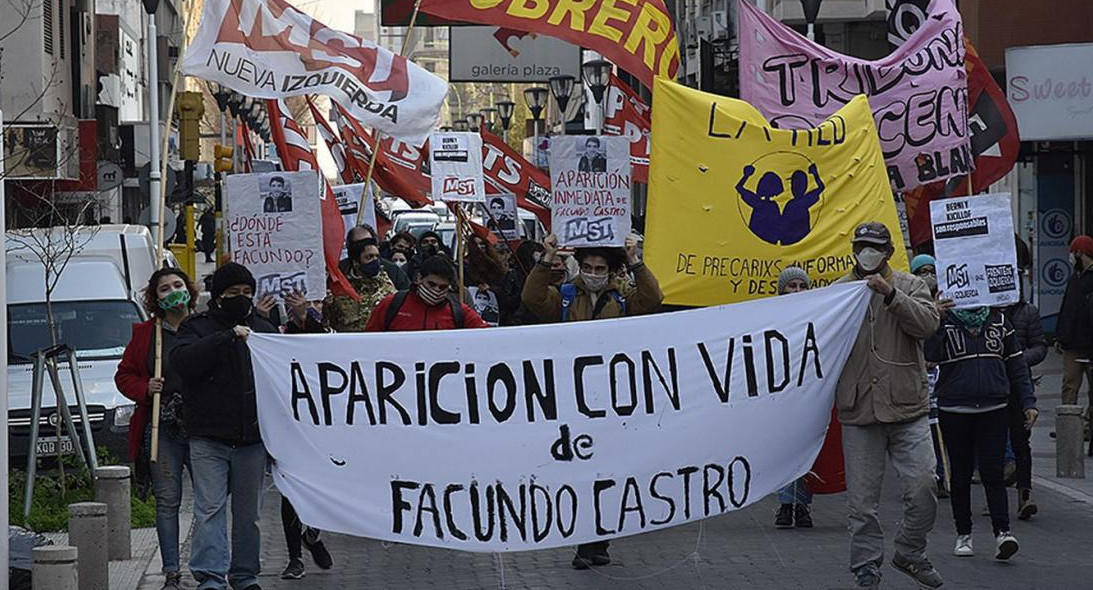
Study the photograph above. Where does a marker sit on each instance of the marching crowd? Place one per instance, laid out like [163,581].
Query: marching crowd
[938,393]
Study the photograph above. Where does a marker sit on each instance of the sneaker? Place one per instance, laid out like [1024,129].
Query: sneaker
[173,581]
[581,562]
[921,571]
[802,516]
[986,511]
[963,546]
[868,579]
[320,555]
[294,570]
[784,518]
[1007,545]
[1009,473]
[599,559]
[1026,508]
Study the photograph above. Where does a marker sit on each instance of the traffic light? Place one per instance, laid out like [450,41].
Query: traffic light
[223,155]
[191,106]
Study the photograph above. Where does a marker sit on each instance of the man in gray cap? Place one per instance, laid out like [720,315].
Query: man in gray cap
[883,408]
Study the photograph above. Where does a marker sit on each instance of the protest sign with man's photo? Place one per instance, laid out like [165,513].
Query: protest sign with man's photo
[502,217]
[274,229]
[590,185]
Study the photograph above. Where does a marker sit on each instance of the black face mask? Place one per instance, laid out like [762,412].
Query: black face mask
[428,250]
[237,308]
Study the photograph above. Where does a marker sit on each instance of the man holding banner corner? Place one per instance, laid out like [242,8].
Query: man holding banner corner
[882,404]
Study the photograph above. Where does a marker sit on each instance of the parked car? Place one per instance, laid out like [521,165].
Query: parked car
[94,305]
[416,222]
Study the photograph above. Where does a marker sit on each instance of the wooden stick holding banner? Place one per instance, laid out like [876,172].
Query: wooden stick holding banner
[379,134]
[157,365]
[460,247]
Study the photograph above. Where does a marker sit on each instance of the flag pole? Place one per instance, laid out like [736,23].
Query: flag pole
[379,134]
[461,248]
[157,366]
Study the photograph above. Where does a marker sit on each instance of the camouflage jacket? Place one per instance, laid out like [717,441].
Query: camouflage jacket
[344,314]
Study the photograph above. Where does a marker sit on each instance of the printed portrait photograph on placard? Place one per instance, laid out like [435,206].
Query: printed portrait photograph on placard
[593,156]
[501,218]
[485,303]
[276,194]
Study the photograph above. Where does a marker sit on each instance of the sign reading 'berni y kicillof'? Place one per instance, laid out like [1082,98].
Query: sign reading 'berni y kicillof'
[455,161]
[590,184]
[274,229]
[976,256]
[545,436]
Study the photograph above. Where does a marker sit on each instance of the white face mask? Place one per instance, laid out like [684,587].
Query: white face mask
[870,259]
[595,283]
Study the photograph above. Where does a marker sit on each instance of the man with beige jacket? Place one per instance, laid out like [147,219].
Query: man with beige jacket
[883,408]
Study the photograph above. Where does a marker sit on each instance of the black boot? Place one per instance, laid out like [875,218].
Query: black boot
[802,514]
[784,518]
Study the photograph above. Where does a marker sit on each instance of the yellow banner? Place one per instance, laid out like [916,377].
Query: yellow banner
[733,201]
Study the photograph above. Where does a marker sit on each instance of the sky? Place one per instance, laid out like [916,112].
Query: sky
[334,13]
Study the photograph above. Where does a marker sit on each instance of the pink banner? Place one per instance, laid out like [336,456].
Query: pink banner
[919,93]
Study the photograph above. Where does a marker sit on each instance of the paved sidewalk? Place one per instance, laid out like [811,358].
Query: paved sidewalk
[737,551]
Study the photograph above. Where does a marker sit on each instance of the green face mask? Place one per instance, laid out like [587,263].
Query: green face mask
[972,318]
[175,300]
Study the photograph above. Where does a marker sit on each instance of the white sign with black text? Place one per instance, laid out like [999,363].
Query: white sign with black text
[975,250]
[590,184]
[274,229]
[455,163]
[535,437]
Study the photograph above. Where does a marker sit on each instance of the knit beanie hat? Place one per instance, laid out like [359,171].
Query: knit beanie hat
[1082,245]
[922,260]
[792,273]
[228,276]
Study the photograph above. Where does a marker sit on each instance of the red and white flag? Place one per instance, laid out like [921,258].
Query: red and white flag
[269,49]
[295,154]
[333,144]
[401,172]
[626,114]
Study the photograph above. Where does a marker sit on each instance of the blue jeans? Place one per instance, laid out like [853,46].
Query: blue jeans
[174,453]
[220,469]
[795,493]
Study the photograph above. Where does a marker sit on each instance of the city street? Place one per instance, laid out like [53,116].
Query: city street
[740,550]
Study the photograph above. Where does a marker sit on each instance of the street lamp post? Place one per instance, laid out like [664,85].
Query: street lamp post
[812,10]
[150,7]
[461,125]
[505,109]
[491,118]
[536,97]
[562,88]
[597,74]
[475,120]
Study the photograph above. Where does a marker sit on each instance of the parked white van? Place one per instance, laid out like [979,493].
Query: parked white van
[95,303]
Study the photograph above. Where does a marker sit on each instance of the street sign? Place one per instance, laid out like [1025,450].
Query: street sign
[495,54]
[110,175]
[170,222]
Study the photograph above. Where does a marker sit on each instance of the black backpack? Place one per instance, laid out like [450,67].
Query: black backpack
[400,298]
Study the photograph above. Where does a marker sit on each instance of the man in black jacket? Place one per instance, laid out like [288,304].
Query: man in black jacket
[394,272]
[1074,334]
[221,416]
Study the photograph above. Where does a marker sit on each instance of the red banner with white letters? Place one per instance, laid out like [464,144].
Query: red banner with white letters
[626,114]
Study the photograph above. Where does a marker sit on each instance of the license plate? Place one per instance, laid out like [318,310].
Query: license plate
[50,445]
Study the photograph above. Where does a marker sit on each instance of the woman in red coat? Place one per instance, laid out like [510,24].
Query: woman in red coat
[170,296]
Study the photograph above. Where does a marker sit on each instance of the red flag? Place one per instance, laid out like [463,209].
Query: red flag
[995,143]
[638,35]
[295,155]
[508,172]
[626,114]
[333,144]
[248,148]
[399,167]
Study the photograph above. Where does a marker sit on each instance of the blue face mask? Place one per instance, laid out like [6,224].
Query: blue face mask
[370,269]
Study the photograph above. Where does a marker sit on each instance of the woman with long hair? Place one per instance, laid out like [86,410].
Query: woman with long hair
[170,296]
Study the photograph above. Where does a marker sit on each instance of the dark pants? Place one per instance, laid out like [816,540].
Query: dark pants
[1019,442]
[972,438]
[293,529]
[590,549]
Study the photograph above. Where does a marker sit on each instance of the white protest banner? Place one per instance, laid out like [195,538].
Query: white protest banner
[455,162]
[503,218]
[590,186]
[512,439]
[275,230]
[348,197]
[269,49]
[975,251]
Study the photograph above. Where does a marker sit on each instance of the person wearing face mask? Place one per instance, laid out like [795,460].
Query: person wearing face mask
[883,409]
[170,296]
[428,245]
[399,278]
[1074,329]
[221,417]
[345,314]
[594,294]
[430,305]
